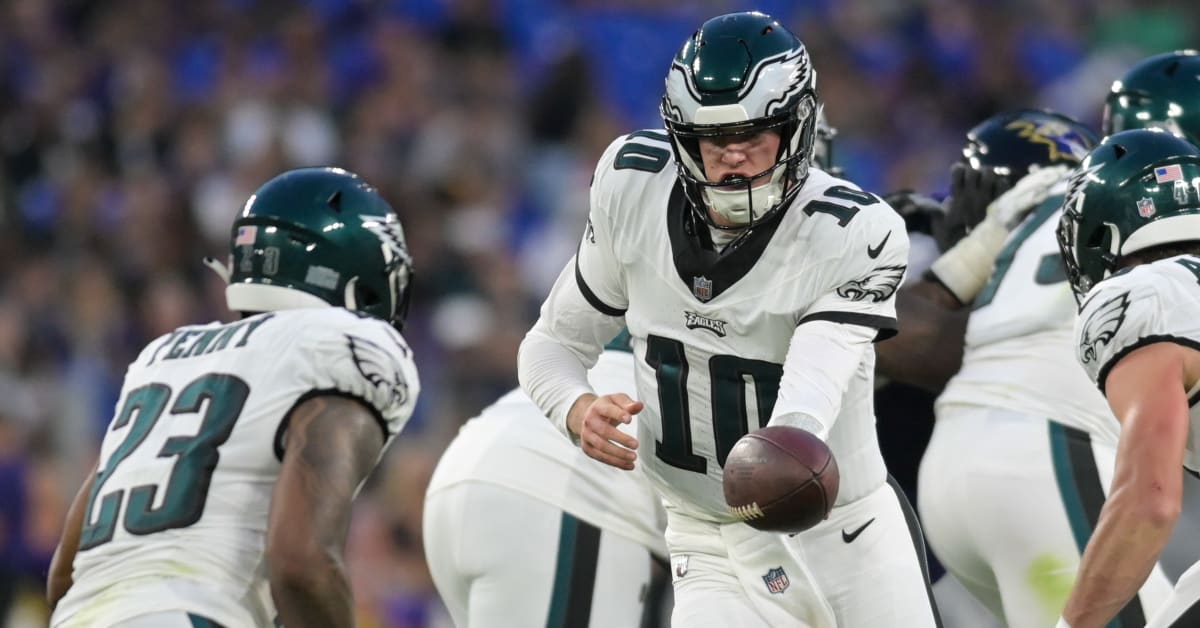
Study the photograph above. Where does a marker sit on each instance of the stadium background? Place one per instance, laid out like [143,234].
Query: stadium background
[131,131]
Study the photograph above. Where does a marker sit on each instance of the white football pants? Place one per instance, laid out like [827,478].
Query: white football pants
[861,568]
[501,558]
[1008,502]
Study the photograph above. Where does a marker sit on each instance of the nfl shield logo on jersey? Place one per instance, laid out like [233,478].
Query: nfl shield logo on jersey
[777,580]
[1145,207]
[702,288]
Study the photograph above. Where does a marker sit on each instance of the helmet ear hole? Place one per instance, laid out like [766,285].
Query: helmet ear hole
[367,297]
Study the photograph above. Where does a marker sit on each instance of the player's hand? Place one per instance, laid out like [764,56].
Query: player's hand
[971,191]
[1011,207]
[598,434]
[920,212]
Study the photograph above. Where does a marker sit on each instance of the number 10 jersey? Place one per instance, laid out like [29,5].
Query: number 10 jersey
[712,331]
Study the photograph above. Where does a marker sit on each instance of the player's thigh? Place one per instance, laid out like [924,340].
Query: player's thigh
[1182,608]
[503,558]
[996,486]
[443,526]
[960,607]
[492,554]
[1044,485]
[1051,532]
[944,496]
[868,559]
[706,588]
[709,595]
[600,578]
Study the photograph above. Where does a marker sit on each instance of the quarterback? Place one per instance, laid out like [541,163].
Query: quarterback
[753,286]
[1130,232]
[223,489]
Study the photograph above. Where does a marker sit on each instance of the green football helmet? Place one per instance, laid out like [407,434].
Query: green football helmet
[1136,190]
[317,237]
[1162,91]
[741,73]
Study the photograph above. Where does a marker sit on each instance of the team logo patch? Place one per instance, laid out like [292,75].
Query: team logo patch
[1062,143]
[1102,325]
[1145,207]
[702,287]
[681,565]
[880,285]
[698,321]
[378,366]
[776,580]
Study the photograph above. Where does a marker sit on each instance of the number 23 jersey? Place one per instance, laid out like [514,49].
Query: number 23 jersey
[712,331]
[177,515]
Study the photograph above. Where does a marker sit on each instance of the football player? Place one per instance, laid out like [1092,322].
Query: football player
[523,529]
[753,286]
[1130,235]
[1015,407]
[223,489]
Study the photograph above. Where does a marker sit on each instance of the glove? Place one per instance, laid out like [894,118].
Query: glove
[921,213]
[1011,207]
[971,191]
[965,267]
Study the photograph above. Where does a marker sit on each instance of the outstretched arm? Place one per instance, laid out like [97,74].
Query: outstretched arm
[59,579]
[929,348]
[332,443]
[1146,392]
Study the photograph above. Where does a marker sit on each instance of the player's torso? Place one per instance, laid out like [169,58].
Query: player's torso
[1018,351]
[187,468]
[511,444]
[711,340]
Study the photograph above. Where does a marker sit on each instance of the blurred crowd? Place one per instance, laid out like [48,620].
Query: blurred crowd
[132,131]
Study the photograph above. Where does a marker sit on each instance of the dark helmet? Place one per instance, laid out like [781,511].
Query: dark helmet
[1136,190]
[742,73]
[317,237]
[1162,91]
[1009,143]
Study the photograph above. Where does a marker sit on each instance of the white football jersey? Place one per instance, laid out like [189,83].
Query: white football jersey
[1158,302]
[1019,343]
[510,444]
[177,516]
[711,338]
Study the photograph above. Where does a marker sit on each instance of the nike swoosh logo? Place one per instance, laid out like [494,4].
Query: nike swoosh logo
[849,538]
[873,252]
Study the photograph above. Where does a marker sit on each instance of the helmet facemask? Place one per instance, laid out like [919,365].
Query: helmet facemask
[741,74]
[1096,259]
[746,201]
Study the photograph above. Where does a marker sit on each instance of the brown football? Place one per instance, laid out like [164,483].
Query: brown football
[780,479]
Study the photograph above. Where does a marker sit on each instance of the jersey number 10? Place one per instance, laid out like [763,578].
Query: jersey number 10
[730,413]
[196,457]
